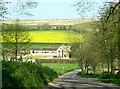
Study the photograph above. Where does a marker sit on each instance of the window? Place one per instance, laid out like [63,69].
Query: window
[33,51]
[64,55]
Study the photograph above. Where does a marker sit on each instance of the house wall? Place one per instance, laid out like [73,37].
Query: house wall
[61,52]
[43,53]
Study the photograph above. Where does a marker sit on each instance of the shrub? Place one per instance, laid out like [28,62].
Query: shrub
[16,74]
[109,76]
[104,77]
[84,75]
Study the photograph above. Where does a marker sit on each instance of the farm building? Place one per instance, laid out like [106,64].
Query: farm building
[61,52]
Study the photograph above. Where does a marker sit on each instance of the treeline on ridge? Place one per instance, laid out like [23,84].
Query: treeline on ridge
[79,28]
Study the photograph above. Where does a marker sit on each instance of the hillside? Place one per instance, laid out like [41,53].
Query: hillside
[66,29]
[51,21]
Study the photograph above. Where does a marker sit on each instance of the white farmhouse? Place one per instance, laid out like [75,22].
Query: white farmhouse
[61,52]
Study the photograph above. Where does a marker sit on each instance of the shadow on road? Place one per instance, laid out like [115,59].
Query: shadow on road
[68,81]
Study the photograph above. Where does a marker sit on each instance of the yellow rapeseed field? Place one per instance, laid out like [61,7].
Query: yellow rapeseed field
[53,36]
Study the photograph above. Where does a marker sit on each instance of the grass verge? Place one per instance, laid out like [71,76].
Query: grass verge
[103,77]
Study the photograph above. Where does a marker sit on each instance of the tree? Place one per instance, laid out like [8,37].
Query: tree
[110,24]
[76,51]
[15,39]
[108,37]
[86,53]
[22,7]
[45,26]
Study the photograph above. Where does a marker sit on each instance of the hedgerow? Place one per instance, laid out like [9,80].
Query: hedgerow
[16,74]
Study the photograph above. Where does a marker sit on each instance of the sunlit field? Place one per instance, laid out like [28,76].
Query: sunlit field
[53,36]
[61,68]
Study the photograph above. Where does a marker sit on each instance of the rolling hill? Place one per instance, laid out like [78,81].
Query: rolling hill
[50,21]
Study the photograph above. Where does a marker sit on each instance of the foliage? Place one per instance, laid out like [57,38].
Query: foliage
[111,80]
[22,7]
[44,27]
[109,42]
[103,77]
[90,75]
[85,52]
[15,38]
[101,46]
[16,74]
[83,8]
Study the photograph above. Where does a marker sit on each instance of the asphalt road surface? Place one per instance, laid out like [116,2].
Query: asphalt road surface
[69,81]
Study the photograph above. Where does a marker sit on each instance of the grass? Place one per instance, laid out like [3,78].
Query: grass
[45,45]
[61,68]
[86,26]
[111,80]
[103,77]
[34,57]
[53,36]
[84,75]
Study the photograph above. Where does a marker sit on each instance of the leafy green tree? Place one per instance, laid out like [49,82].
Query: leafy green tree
[86,52]
[76,52]
[45,26]
[110,33]
[15,39]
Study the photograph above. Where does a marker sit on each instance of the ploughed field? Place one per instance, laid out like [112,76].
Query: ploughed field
[53,36]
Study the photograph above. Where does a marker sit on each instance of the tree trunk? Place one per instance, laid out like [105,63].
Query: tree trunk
[112,67]
[87,69]
[81,67]
[16,45]
[119,38]
[102,67]
[16,52]
[108,64]
[3,54]
[94,70]
[20,59]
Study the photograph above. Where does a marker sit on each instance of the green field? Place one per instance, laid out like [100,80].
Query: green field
[53,36]
[61,68]
[45,45]
[86,26]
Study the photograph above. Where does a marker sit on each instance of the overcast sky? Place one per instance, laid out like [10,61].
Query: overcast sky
[54,9]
